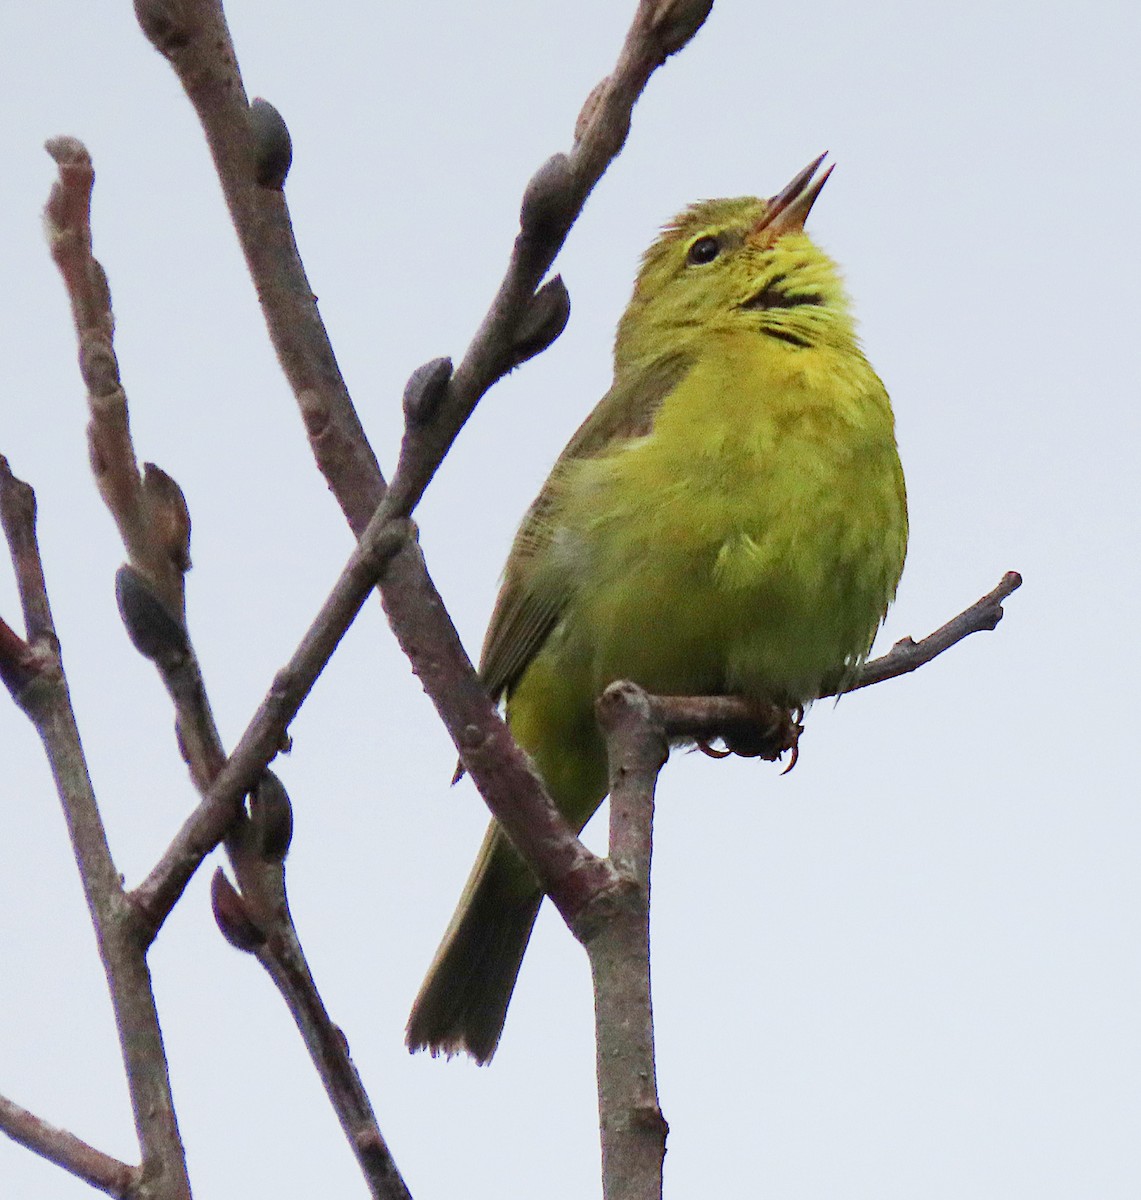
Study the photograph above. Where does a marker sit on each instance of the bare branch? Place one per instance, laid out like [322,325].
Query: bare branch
[195,39]
[906,655]
[148,509]
[263,737]
[57,1145]
[615,929]
[768,729]
[154,523]
[285,964]
[148,506]
[523,318]
[48,706]
[257,920]
[569,872]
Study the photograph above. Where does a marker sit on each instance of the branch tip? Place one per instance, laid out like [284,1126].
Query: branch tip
[68,151]
[908,655]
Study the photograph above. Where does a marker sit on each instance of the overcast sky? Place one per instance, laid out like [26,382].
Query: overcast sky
[908,969]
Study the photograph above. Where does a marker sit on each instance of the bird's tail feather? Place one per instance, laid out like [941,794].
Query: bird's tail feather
[463,1001]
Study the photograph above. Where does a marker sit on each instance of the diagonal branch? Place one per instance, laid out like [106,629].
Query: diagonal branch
[194,37]
[57,1145]
[520,323]
[707,717]
[263,737]
[257,920]
[907,655]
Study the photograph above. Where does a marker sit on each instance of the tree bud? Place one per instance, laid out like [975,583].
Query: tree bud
[233,916]
[273,147]
[271,818]
[153,631]
[425,389]
[546,317]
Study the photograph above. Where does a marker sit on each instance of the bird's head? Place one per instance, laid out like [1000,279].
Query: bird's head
[734,267]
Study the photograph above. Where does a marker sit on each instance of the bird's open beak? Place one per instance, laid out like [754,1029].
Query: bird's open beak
[788,209]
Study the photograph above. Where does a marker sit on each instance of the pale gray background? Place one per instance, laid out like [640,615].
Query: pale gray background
[910,968]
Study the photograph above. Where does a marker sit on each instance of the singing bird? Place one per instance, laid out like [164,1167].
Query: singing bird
[730,519]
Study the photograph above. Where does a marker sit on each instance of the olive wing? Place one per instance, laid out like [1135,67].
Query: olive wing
[536,590]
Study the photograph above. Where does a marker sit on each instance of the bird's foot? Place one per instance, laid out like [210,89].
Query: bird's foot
[767,735]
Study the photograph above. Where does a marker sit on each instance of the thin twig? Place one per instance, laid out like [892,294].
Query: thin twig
[907,655]
[707,717]
[285,964]
[521,321]
[148,506]
[57,1145]
[257,920]
[154,523]
[48,706]
[263,737]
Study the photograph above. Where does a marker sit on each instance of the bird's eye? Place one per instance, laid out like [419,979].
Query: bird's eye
[703,251]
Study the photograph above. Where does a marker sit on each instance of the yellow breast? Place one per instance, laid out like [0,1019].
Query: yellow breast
[752,540]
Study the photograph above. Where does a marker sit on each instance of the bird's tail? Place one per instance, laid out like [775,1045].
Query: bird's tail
[463,1001]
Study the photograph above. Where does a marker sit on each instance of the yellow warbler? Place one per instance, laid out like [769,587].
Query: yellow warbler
[730,519]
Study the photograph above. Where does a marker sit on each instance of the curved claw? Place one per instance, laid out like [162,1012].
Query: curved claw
[706,748]
[796,716]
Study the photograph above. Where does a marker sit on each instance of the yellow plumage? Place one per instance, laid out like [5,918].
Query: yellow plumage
[731,519]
